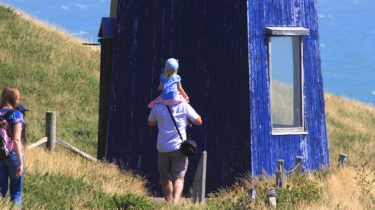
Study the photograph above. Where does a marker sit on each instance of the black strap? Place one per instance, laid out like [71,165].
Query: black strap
[174,122]
[8,113]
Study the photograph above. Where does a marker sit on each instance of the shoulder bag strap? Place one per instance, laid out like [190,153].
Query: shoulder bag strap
[174,122]
[8,113]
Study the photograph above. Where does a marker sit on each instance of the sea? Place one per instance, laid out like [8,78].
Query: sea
[346,30]
[347,48]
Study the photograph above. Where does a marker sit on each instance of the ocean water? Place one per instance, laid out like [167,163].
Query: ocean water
[81,18]
[346,27]
[347,46]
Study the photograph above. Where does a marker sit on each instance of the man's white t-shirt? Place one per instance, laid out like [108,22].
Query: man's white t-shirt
[168,138]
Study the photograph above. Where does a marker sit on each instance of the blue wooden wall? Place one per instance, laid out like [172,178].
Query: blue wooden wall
[267,149]
[223,64]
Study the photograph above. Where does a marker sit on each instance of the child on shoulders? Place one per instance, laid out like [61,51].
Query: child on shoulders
[170,85]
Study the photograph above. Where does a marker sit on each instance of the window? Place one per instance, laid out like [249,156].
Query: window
[285,54]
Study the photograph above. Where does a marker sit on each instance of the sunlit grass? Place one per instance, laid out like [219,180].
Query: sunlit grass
[54,72]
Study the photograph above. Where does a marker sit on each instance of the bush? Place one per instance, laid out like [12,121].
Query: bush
[303,191]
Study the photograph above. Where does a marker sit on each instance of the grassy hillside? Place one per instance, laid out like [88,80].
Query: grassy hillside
[55,72]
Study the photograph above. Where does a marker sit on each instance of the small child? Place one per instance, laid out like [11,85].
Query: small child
[170,85]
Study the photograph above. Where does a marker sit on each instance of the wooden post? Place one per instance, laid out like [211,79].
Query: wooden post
[51,130]
[70,147]
[199,183]
[279,179]
[280,165]
[252,193]
[272,196]
[37,143]
[298,164]
[342,159]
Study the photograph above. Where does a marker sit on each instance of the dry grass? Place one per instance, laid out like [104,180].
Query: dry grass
[341,191]
[350,126]
[104,176]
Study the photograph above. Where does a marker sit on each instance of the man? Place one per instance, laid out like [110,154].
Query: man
[23,110]
[171,162]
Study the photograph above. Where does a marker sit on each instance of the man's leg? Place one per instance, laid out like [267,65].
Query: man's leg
[167,191]
[165,171]
[177,191]
[179,166]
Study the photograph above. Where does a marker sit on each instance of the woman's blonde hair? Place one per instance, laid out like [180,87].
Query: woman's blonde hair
[169,73]
[9,96]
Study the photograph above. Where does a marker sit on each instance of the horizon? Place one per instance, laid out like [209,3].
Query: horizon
[347,67]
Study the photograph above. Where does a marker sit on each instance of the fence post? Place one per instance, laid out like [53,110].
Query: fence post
[272,196]
[342,159]
[298,164]
[51,130]
[279,179]
[280,165]
[199,183]
[252,193]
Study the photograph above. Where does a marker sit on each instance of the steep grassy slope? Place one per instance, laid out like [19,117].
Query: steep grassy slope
[54,72]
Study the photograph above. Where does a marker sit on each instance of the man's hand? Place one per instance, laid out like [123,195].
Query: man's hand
[150,123]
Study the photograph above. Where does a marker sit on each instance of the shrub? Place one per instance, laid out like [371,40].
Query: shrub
[303,191]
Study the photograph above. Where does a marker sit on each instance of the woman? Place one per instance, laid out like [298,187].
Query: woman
[12,167]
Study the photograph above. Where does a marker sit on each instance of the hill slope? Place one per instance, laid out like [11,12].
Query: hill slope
[54,72]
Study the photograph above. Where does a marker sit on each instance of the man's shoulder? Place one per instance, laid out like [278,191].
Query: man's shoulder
[159,108]
[184,106]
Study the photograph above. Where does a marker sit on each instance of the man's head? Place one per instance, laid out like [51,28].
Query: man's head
[22,109]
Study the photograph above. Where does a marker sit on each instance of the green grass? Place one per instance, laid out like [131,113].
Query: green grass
[61,192]
[54,72]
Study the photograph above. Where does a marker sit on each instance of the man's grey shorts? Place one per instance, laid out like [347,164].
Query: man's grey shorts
[172,166]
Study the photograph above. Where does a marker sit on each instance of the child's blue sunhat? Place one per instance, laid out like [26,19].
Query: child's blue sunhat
[171,64]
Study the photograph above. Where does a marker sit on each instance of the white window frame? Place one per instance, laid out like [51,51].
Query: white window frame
[287,32]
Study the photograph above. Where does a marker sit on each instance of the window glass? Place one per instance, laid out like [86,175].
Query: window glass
[285,60]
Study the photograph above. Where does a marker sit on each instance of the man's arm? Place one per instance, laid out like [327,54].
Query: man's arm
[192,114]
[150,123]
[198,121]
[152,120]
